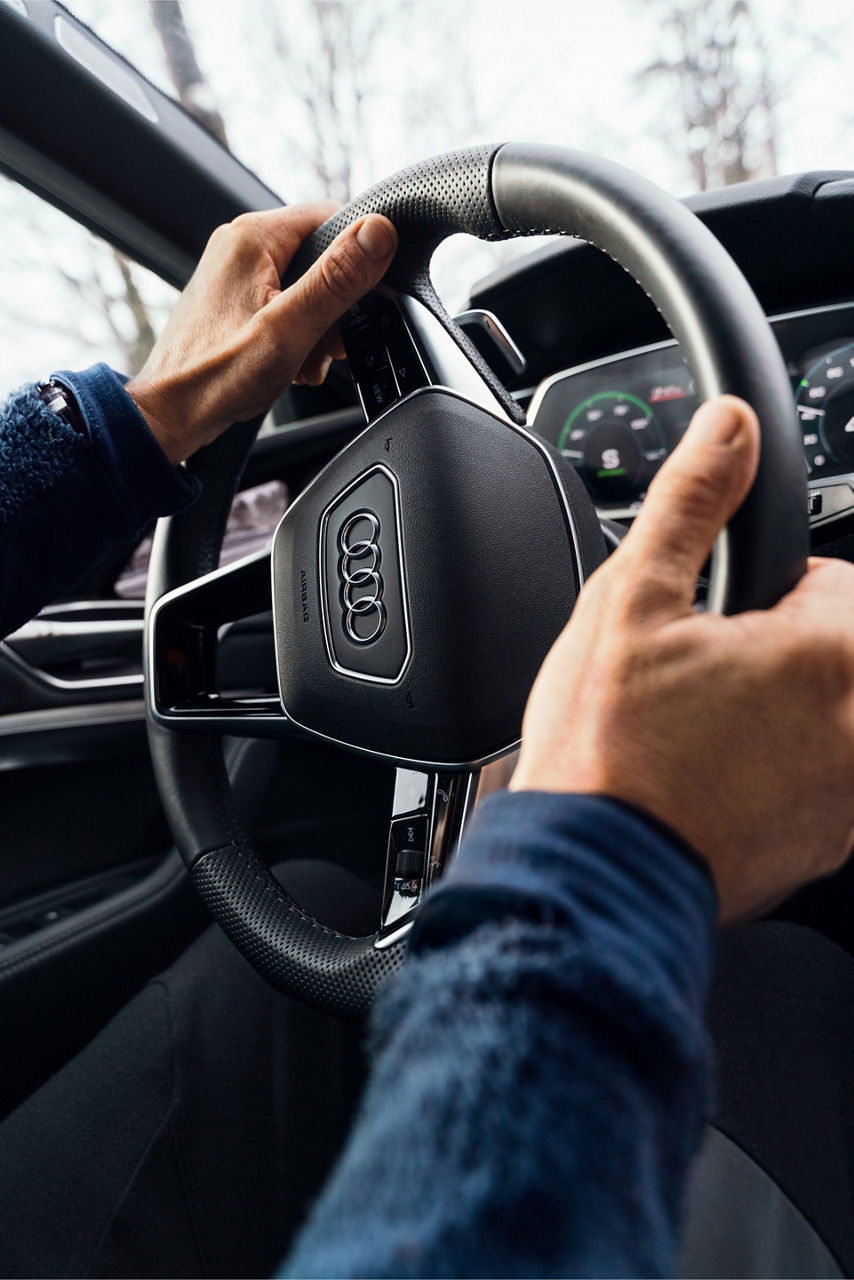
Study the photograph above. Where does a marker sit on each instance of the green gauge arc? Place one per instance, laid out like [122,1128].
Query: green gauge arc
[600,395]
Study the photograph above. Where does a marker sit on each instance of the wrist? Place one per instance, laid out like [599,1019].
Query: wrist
[149,402]
[584,863]
[139,482]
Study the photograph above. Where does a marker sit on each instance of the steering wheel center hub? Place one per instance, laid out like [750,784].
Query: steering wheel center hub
[412,602]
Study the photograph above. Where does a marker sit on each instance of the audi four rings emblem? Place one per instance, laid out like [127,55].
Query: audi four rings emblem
[359,570]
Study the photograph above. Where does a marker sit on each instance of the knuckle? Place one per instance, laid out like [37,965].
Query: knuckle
[220,235]
[235,241]
[244,235]
[340,273]
[259,293]
[245,222]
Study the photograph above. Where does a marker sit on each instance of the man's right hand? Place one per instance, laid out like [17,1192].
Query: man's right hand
[738,732]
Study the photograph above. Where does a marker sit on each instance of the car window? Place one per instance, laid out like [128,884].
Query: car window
[67,298]
[254,515]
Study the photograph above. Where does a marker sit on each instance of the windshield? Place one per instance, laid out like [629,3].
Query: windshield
[324,97]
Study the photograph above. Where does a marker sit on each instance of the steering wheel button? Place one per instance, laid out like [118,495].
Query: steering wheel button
[409,834]
[364,337]
[374,359]
[361,312]
[410,864]
[378,392]
[405,361]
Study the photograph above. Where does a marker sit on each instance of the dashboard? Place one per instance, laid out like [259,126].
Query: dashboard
[616,419]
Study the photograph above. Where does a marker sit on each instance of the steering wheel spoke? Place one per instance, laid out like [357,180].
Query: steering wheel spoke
[213,651]
[430,811]
[428,815]
[396,345]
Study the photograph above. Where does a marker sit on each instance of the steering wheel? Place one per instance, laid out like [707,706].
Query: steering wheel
[420,579]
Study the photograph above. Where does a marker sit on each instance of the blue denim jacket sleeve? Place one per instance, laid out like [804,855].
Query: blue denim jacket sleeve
[66,497]
[541,1074]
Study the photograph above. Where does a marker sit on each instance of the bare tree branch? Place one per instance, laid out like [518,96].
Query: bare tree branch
[194,92]
[718,89]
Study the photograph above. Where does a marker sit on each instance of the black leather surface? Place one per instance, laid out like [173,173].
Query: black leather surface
[326,969]
[483,608]
[711,311]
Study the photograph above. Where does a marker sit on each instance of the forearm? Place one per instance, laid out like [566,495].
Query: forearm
[541,1082]
[66,497]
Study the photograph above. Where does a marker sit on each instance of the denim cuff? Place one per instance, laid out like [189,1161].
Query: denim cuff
[142,481]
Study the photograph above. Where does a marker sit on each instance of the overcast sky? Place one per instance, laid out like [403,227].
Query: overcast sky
[453,73]
[549,70]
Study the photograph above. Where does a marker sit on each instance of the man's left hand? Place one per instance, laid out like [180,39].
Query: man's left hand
[235,340]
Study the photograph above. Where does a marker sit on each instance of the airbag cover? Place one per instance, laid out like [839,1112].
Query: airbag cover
[419,581]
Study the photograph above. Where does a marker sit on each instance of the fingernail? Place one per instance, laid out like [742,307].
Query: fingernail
[717,420]
[375,238]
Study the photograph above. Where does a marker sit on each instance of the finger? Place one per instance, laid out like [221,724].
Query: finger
[315,368]
[283,230]
[353,264]
[330,347]
[699,488]
[333,344]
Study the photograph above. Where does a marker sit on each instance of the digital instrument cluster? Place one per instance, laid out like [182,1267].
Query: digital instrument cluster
[617,419]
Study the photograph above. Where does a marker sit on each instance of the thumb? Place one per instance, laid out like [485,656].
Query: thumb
[353,264]
[699,488]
